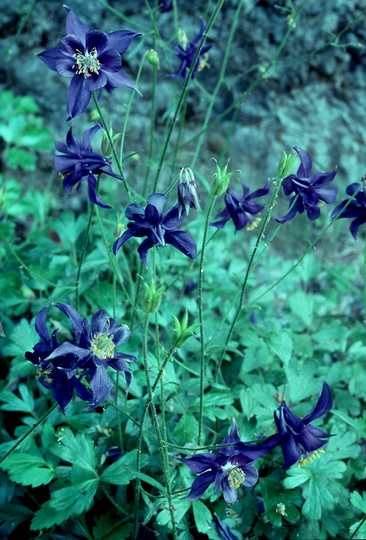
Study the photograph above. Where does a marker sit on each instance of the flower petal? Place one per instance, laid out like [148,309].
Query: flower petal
[200,485]
[200,462]
[323,406]
[183,241]
[75,25]
[306,163]
[78,98]
[121,40]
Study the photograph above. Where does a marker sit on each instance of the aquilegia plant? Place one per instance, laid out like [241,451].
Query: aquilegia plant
[159,333]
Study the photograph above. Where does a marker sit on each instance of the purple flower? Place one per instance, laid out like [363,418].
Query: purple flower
[230,469]
[186,52]
[59,374]
[241,209]
[78,162]
[165,6]
[308,190]
[159,228]
[297,436]
[356,208]
[91,59]
[95,349]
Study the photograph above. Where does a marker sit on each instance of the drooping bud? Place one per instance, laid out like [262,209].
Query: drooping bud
[153,58]
[286,165]
[221,179]
[188,192]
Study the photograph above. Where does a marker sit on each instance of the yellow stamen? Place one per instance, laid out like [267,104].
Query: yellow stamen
[102,345]
[254,224]
[87,63]
[236,477]
[311,457]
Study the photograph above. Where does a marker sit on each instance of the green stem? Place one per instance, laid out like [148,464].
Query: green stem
[111,143]
[185,89]
[161,446]
[152,127]
[29,432]
[247,273]
[82,255]
[221,79]
[200,315]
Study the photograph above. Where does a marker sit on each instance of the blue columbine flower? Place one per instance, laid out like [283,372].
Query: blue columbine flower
[187,50]
[309,190]
[95,348]
[241,209]
[160,228]
[356,208]
[230,469]
[296,436]
[79,163]
[58,374]
[91,59]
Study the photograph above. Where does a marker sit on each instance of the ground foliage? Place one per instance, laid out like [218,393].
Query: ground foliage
[264,314]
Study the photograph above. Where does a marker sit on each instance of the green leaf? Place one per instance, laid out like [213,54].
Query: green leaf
[180,508]
[358,530]
[77,450]
[28,470]
[186,430]
[14,403]
[64,503]
[202,516]
[123,471]
[281,344]
[358,501]
[302,305]
[17,157]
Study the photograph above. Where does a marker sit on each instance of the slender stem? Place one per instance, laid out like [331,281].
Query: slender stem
[29,432]
[212,99]
[110,140]
[152,128]
[161,446]
[179,136]
[200,314]
[82,255]
[185,88]
[364,278]
[247,273]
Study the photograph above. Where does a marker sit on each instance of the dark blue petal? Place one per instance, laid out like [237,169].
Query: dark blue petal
[77,322]
[306,163]
[121,40]
[356,224]
[200,485]
[75,25]
[40,324]
[78,98]
[69,348]
[119,79]
[98,322]
[230,494]
[92,192]
[158,200]
[101,386]
[224,530]
[121,240]
[291,451]
[323,406]
[183,241]
[200,462]
[144,248]
[96,39]
[50,57]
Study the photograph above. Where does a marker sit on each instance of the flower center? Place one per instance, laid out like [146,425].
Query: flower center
[45,374]
[236,477]
[102,345]
[87,63]
[311,457]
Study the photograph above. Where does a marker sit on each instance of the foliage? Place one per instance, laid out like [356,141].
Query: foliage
[222,340]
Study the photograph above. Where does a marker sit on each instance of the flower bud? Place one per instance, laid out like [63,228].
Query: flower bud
[152,297]
[153,58]
[221,179]
[106,146]
[181,331]
[286,165]
[188,193]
